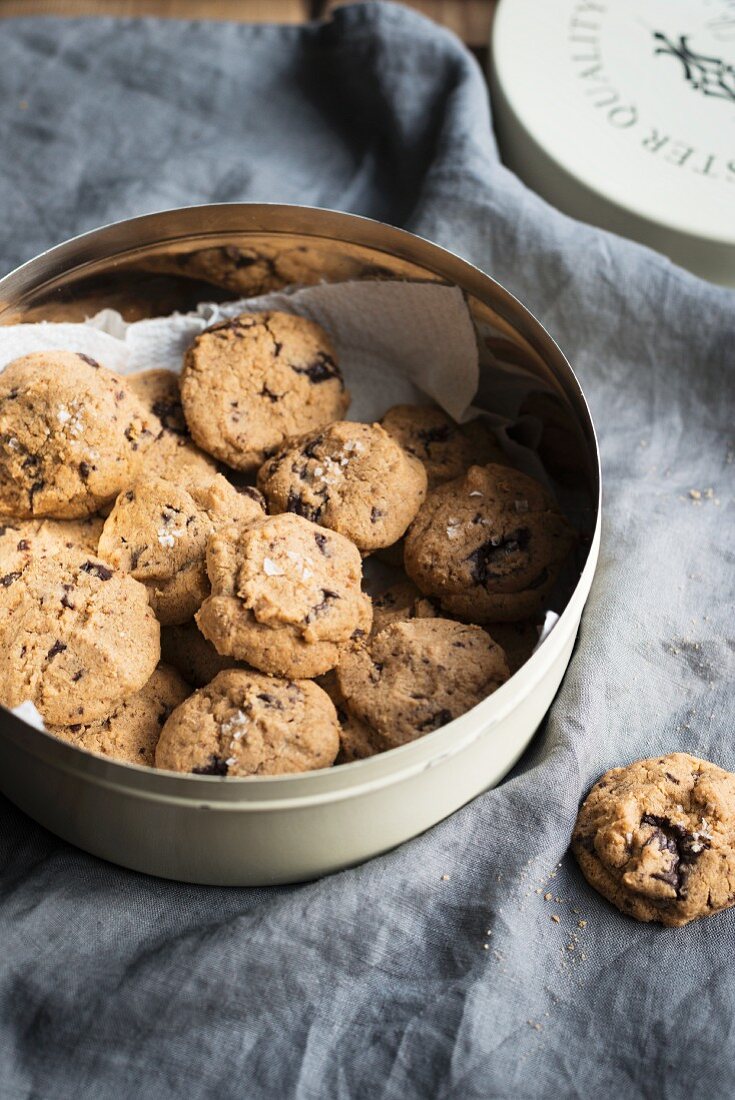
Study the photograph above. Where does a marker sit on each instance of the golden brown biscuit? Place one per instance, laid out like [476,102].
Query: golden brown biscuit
[132,730]
[70,431]
[244,724]
[352,478]
[158,532]
[445,447]
[285,597]
[414,677]
[657,838]
[76,637]
[488,545]
[168,451]
[253,382]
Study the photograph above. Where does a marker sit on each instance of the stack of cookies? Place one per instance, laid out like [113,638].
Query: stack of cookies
[181,557]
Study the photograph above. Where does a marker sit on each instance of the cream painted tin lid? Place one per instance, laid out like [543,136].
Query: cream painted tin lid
[622,113]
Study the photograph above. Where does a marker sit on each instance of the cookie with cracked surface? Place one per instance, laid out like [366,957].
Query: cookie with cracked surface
[357,740]
[285,597]
[76,637]
[253,382]
[445,447]
[169,452]
[657,838]
[414,677]
[488,545]
[403,601]
[244,723]
[70,431]
[131,732]
[158,532]
[185,648]
[518,640]
[352,478]
[400,603]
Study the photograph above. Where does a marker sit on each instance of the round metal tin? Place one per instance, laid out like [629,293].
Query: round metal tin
[280,829]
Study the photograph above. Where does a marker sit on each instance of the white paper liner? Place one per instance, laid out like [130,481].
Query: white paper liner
[28,713]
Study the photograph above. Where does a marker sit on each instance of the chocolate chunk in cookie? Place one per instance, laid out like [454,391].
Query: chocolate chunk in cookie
[285,595]
[70,432]
[414,677]
[489,545]
[131,732]
[657,838]
[350,477]
[251,383]
[246,724]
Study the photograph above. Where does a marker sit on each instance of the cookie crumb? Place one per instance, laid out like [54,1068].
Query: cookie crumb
[555,918]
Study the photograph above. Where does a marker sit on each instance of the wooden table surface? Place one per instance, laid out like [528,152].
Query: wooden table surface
[470,19]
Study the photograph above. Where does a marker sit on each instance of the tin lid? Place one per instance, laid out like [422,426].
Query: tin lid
[623,114]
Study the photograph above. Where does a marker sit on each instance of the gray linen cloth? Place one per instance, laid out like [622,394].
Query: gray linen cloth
[375,982]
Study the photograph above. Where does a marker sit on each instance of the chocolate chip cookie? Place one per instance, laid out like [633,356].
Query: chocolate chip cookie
[401,602]
[488,545]
[285,595]
[350,477]
[518,640]
[414,677]
[185,648]
[76,637]
[168,451]
[657,838]
[158,532]
[445,448]
[253,382]
[245,724]
[70,431]
[132,730]
[357,740]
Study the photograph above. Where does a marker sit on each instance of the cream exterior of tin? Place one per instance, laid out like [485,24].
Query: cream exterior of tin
[289,828]
[622,113]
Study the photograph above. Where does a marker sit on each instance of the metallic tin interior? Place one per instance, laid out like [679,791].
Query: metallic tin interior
[287,828]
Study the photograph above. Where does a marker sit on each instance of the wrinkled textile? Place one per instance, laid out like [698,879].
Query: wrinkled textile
[376,982]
